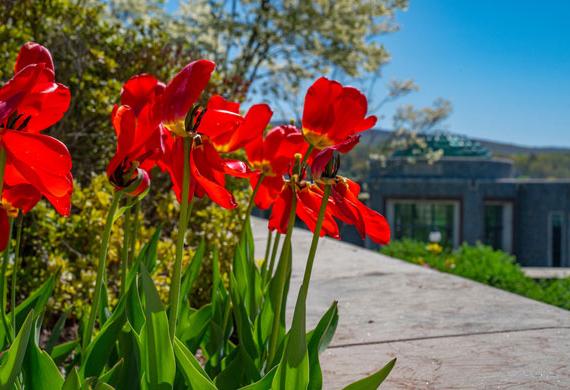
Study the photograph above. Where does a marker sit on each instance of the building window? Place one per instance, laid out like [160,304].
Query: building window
[499,225]
[418,219]
[555,245]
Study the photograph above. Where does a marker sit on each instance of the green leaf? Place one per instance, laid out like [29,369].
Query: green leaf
[72,382]
[130,352]
[149,251]
[56,331]
[135,312]
[157,347]
[240,370]
[243,324]
[318,340]
[61,351]
[98,351]
[373,381]
[37,301]
[40,371]
[196,377]
[192,271]
[264,383]
[103,386]
[111,376]
[12,361]
[104,312]
[293,369]
[193,325]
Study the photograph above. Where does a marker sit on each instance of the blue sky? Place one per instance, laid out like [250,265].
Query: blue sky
[505,66]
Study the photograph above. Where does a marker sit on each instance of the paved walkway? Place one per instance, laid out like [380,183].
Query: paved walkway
[547,272]
[447,332]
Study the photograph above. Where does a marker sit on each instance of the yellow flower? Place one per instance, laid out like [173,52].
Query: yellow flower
[434,248]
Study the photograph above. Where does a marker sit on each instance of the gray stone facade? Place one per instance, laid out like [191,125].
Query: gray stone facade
[537,212]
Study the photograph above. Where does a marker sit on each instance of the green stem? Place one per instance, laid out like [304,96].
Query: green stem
[313,250]
[135,231]
[125,250]
[267,250]
[298,336]
[101,268]
[174,298]
[274,253]
[15,271]
[5,259]
[281,280]
[250,204]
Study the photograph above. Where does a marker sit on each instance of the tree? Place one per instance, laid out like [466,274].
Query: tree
[261,47]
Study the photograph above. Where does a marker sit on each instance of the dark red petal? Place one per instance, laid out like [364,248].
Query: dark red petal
[61,204]
[347,145]
[205,175]
[4,230]
[279,218]
[42,160]
[140,90]
[268,191]
[308,208]
[184,89]
[33,53]
[320,162]
[23,197]
[377,228]
[21,88]
[45,106]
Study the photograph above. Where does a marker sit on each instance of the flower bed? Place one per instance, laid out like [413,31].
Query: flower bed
[136,339]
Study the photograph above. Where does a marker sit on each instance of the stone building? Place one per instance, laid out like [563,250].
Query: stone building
[469,196]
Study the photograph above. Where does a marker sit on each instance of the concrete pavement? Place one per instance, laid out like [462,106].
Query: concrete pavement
[447,332]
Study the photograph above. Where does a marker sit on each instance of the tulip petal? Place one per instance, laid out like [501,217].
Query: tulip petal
[33,53]
[279,218]
[43,161]
[212,181]
[140,90]
[184,89]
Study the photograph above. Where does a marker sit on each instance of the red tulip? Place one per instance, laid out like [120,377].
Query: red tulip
[333,115]
[29,103]
[218,128]
[273,157]
[309,200]
[227,129]
[139,145]
[207,170]
[346,206]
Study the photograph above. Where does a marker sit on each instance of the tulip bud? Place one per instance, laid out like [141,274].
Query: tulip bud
[139,186]
[325,165]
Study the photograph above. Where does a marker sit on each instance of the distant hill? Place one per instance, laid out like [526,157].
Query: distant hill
[497,148]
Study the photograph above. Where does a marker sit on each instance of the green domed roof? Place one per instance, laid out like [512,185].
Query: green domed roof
[452,145]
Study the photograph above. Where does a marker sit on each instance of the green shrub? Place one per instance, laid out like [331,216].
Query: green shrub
[482,264]
[70,245]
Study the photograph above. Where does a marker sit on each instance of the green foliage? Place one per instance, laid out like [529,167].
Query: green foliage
[93,55]
[69,246]
[482,264]
[97,45]
[542,165]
